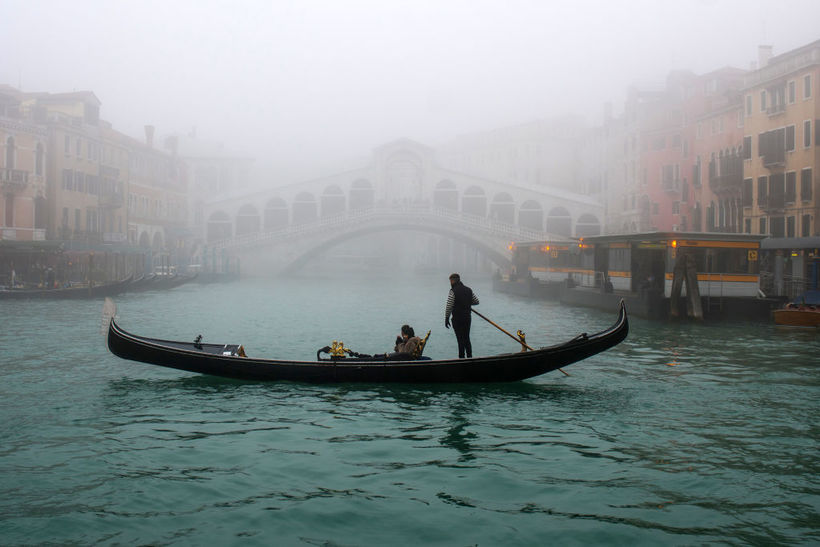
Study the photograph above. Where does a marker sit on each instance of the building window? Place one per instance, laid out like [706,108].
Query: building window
[67,145]
[763,226]
[38,159]
[79,148]
[792,92]
[747,225]
[789,138]
[807,86]
[10,155]
[762,192]
[68,179]
[763,101]
[805,184]
[747,192]
[676,207]
[778,227]
[806,228]
[77,219]
[747,147]
[807,133]
[740,118]
[748,105]
[65,218]
[791,187]
[790,227]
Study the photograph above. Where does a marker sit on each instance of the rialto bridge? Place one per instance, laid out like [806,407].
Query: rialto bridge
[402,188]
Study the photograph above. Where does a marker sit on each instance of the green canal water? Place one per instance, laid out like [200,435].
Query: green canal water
[684,434]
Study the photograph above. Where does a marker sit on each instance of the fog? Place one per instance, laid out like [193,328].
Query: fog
[316,82]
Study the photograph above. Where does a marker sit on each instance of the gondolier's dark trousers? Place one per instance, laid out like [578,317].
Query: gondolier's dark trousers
[461,326]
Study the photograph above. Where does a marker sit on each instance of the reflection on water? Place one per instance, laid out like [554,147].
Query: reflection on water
[720,447]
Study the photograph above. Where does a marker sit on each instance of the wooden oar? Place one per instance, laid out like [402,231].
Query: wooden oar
[488,320]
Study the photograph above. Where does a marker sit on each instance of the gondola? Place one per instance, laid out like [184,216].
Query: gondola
[228,361]
[85,291]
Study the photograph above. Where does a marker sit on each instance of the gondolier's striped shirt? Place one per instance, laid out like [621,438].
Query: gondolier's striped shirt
[451,300]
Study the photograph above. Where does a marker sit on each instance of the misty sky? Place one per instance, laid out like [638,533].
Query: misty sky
[312,80]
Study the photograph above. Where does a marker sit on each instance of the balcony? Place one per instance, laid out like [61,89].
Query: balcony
[776,109]
[13,180]
[111,201]
[722,184]
[107,172]
[671,185]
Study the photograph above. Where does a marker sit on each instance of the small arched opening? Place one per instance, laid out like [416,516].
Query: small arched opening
[531,215]
[503,208]
[362,195]
[445,195]
[559,222]
[474,202]
[247,220]
[304,208]
[276,214]
[219,226]
[333,201]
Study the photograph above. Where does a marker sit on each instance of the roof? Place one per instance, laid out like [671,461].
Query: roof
[663,236]
[791,243]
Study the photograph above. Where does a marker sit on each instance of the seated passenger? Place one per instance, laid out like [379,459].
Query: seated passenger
[406,344]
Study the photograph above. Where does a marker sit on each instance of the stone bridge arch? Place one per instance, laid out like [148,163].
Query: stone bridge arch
[497,255]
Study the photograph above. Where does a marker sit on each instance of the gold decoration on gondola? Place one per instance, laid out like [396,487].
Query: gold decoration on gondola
[338,349]
[523,338]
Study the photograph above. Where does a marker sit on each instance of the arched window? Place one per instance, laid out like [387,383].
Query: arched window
[247,220]
[38,159]
[10,153]
[474,202]
[276,214]
[559,222]
[587,225]
[219,226]
[531,215]
[362,195]
[304,208]
[446,195]
[333,201]
[503,208]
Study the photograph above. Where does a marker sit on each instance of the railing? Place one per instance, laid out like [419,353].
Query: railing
[13,180]
[413,215]
[776,109]
[111,201]
[23,234]
[671,185]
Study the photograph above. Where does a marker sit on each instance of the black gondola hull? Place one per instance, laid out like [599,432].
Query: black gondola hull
[208,359]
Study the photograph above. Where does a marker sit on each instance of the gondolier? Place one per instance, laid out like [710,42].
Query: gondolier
[459,301]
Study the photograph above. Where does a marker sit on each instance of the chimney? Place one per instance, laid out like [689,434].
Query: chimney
[149,136]
[764,53]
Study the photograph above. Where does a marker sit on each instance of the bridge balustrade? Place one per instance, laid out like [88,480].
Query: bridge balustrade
[416,214]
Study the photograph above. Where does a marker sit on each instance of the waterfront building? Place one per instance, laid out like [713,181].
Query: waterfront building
[538,153]
[156,202]
[715,130]
[23,153]
[72,119]
[781,151]
[212,171]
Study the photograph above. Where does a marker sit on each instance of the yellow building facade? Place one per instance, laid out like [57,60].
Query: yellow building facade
[781,152]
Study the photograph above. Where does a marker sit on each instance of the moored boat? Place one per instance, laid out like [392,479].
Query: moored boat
[229,360]
[83,291]
[798,315]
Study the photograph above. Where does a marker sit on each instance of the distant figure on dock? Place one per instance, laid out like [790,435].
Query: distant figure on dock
[459,301]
